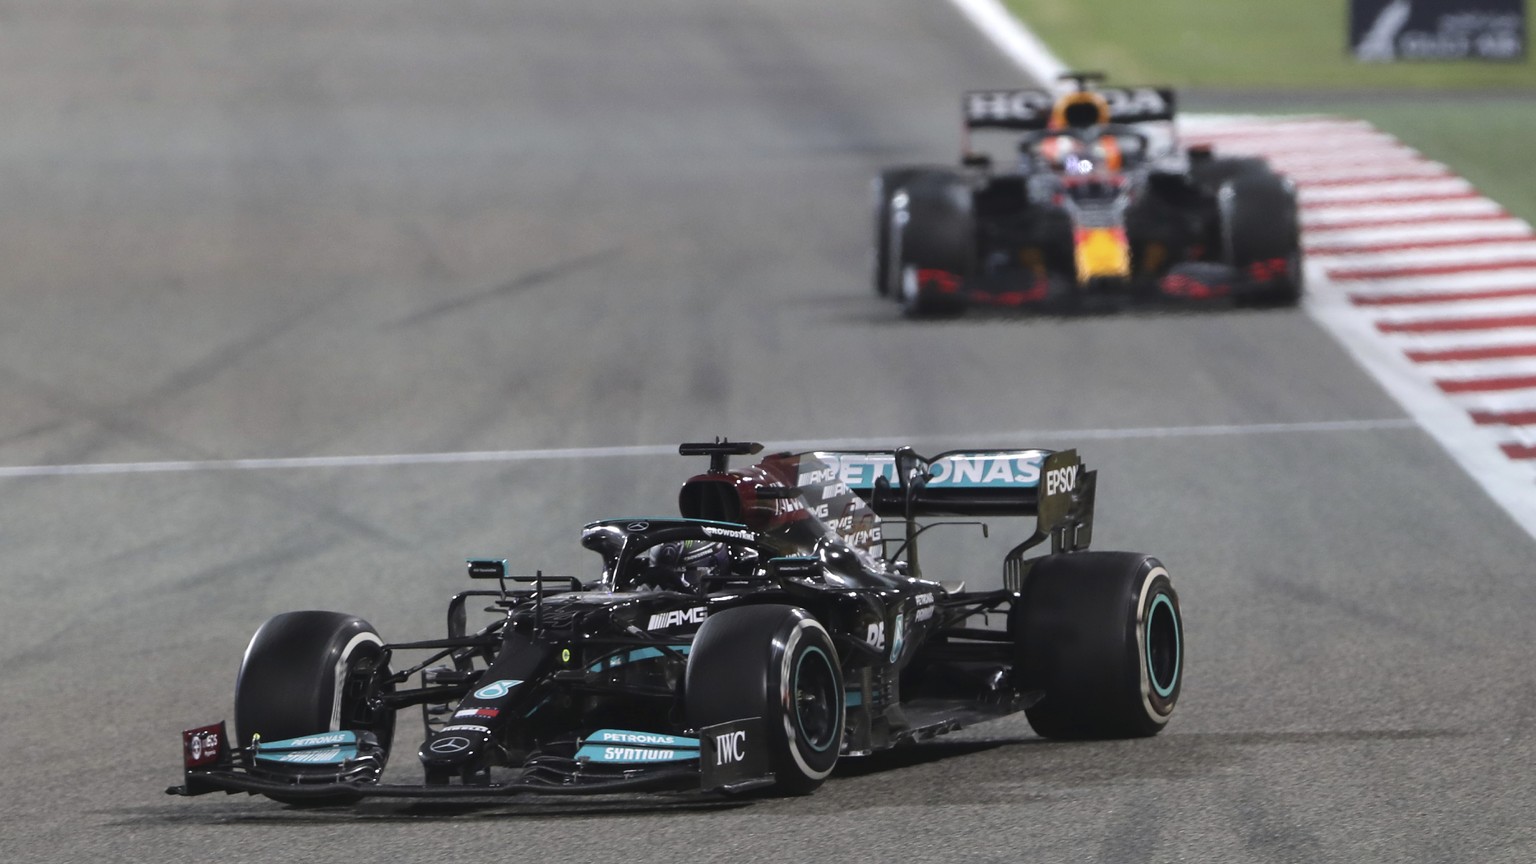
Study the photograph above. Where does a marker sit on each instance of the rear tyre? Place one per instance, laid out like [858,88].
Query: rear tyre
[309,672]
[933,227]
[777,663]
[1101,635]
[1211,173]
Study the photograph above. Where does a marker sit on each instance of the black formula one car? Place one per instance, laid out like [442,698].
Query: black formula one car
[1096,206]
[749,644]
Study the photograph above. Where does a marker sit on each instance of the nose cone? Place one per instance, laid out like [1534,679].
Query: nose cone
[1102,253]
[456,748]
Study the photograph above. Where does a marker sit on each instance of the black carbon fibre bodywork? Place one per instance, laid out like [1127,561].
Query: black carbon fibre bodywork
[574,685]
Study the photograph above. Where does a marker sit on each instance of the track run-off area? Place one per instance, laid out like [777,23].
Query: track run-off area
[1430,285]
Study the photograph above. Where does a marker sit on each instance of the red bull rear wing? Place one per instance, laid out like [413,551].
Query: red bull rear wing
[1030,108]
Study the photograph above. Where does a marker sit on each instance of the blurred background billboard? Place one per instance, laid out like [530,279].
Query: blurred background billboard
[1384,31]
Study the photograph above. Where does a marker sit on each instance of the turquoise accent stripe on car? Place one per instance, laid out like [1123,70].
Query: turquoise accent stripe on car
[325,748]
[626,747]
[331,756]
[634,656]
[310,742]
[641,739]
[631,755]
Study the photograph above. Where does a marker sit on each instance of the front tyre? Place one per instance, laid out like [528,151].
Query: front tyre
[1261,236]
[886,184]
[932,227]
[310,672]
[1100,633]
[777,663]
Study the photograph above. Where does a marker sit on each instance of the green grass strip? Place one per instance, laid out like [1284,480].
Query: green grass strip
[1269,44]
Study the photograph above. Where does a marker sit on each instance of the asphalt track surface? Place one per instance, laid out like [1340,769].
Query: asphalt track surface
[285,229]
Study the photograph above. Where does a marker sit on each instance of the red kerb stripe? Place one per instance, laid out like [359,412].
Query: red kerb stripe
[1333,182]
[1488,385]
[1440,296]
[1443,325]
[1409,245]
[1519,451]
[1504,418]
[1416,199]
[1390,221]
[1487,352]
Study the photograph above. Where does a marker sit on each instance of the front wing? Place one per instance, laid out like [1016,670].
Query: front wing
[1193,282]
[342,766]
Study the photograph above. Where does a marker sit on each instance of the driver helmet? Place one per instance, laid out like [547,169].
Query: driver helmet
[683,565]
[1061,152]
[1079,110]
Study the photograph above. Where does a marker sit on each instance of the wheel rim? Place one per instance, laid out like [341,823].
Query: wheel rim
[814,700]
[911,289]
[1164,646]
[354,709]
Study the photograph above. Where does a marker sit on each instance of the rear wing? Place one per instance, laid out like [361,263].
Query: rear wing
[1052,486]
[1030,108]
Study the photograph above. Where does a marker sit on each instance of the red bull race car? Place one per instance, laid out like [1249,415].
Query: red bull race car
[1094,206]
[770,630]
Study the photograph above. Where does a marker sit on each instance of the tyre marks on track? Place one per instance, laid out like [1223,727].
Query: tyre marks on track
[1429,283]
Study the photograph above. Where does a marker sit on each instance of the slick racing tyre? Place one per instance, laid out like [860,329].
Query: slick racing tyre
[1209,174]
[888,183]
[932,227]
[308,672]
[1101,635]
[777,663]
[1261,236]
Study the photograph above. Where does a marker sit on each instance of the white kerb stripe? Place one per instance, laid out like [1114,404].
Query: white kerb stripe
[1013,39]
[1322,239]
[1482,253]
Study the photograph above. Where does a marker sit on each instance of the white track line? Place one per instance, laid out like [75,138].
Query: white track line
[586,453]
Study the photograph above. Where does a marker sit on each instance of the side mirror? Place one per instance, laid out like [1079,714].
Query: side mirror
[976,160]
[487,568]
